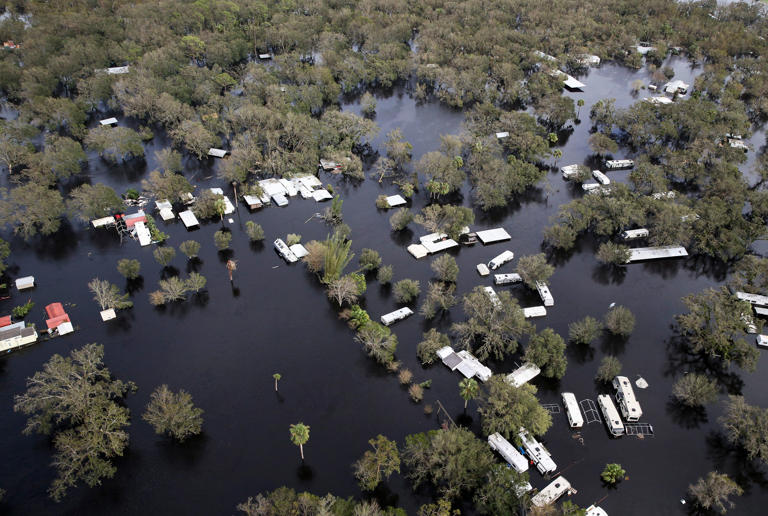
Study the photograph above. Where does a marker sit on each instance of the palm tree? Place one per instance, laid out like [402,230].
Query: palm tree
[469,390]
[231,267]
[300,436]
[220,206]
[579,103]
[277,377]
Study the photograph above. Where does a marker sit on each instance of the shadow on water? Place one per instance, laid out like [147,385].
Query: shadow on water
[685,416]
[581,353]
[609,274]
[304,472]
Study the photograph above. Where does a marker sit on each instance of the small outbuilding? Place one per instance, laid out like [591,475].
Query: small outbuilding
[25,282]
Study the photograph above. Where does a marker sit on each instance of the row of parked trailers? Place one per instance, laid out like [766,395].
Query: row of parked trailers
[625,398]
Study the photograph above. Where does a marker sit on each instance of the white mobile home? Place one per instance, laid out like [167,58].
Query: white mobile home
[513,457]
[284,251]
[493,295]
[534,311]
[575,420]
[506,279]
[625,396]
[397,315]
[632,234]
[523,374]
[614,164]
[610,414]
[490,236]
[537,453]
[550,494]
[570,171]
[545,294]
[600,177]
[506,256]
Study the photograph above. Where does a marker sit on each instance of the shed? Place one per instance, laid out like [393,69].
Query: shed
[503,134]
[64,328]
[108,315]
[482,269]
[395,200]
[189,219]
[573,84]
[166,210]
[328,165]
[252,201]
[490,236]
[217,153]
[108,121]
[25,282]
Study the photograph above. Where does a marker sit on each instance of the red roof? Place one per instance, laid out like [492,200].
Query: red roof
[55,321]
[55,310]
[5,321]
[133,220]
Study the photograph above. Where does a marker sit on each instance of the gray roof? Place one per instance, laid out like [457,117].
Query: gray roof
[452,361]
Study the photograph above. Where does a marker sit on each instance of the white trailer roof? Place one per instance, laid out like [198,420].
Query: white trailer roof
[321,195]
[143,234]
[25,282]
[289,186]
[545,294]
[550,494]
[189,219]
[299,250]
[523,374]
[441,245]
[417,250]
[534,311]
[108,121]
[573,83]
[630,234]
[572,409]
[252,201]
[515,459]
[167,214]
[655,253]
[755,299]
[619,163]
[477,368]
[104,221]
[218,153]
[601,178]
[537,453]
[272,186]
[505,279]
[395,316]
[503,134]
[395,200]
[498,261]
[64,328]
[117,70]
[285,251]
[489,236]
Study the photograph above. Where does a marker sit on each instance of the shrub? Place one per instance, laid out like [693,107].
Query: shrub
[400,219]
[381,202]
[254,231]
[695,390]
[620,321]
[406,290]
[190,248]
[584,331]
[369,259]
[292,239]
[609,368]
[21,311]
[384,275]
[222,239]
[164,255]
[416,392]
[405,376]
[129,268]
[431,341]
[445,268]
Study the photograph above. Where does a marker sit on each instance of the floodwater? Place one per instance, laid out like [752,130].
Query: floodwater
[224,346]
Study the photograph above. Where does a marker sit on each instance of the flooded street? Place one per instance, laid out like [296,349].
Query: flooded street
[223,346]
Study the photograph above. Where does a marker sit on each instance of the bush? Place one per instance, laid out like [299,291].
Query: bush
[190,248]
[612,473]
[445,268]
[173,414]
[20,312]
[369,259]
[195,282]
[584,331]
[384,275]
[431,341]
[620,321]
[132,194]
[714,492]
[368,104]
[613,254]
[406,290]
[381,202]
[400,219]
[292,239]
[610,367]
[695,390]
[534,268]
[164,255]
[416,392]
[254,231]
[129,268]
[405,376]
[222,239]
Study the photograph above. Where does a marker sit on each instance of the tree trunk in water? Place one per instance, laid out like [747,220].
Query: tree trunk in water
[275,378]
[301,448]
[465,404]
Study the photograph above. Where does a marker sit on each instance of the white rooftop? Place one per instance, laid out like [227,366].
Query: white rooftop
[417,250]
[117,70]
[503,134]
[395,200]
[188,218]
[219,153]
[321,195]
[489,236]
[228,207]
[108,121]
[25,282]
[534,311]
[523,374]
[573,83]
[299,250]
[656,253]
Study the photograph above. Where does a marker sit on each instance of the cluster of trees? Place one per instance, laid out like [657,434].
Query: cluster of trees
[78,402]
[285,501]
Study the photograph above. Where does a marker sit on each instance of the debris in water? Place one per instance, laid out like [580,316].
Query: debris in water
[641,383]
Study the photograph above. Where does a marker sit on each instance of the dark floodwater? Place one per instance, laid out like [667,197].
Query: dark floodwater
[224,349]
